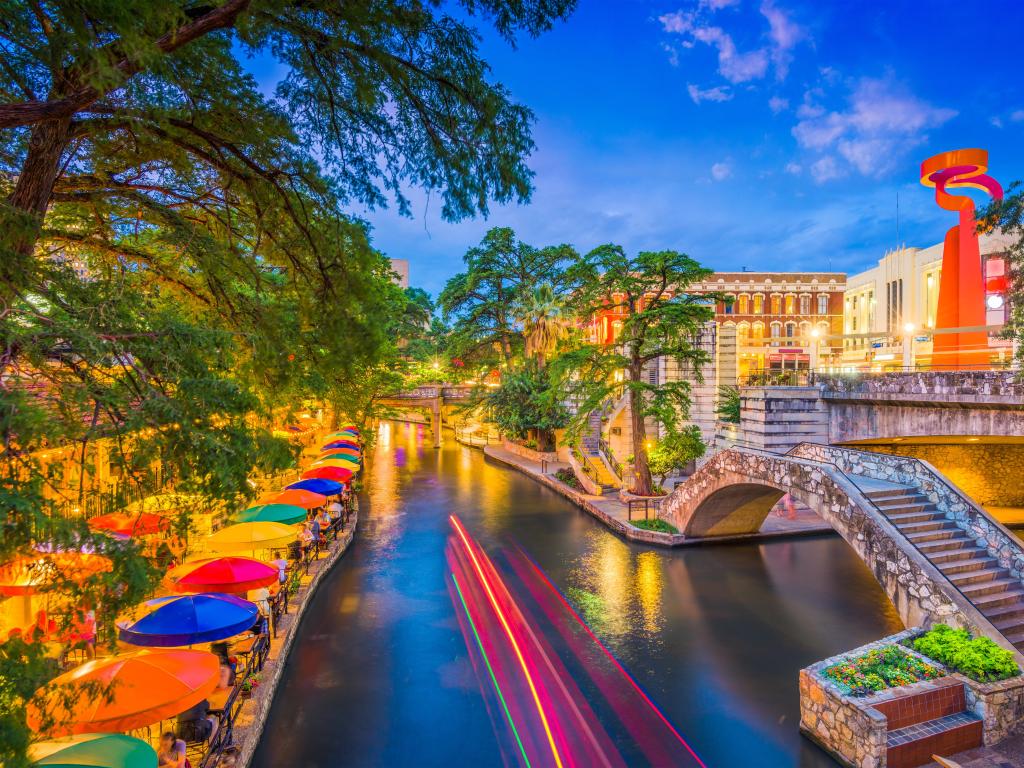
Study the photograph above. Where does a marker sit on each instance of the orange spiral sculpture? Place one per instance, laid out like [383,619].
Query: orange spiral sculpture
[961,286]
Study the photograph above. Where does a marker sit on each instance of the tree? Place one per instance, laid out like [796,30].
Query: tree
[488,301]
[543,323]
[729,404]
[675,451]
[659,319]
[527,405]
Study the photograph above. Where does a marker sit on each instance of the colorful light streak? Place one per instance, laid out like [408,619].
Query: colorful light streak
[511,636]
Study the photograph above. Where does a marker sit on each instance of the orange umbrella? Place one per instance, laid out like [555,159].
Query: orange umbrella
[128,524]
[28,575]
[299,498]
[124,692]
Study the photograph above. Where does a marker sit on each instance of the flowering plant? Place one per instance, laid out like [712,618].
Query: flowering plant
[878,669]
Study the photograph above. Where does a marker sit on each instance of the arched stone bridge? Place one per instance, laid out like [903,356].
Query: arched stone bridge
[429,400]
[937,555]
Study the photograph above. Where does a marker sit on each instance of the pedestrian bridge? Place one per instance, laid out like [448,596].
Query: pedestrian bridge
[938,555]
[429,400]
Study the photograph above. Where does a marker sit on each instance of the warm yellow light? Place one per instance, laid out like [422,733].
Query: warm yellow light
[909,328]
[815,333]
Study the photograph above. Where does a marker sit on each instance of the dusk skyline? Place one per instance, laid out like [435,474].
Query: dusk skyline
[768,134]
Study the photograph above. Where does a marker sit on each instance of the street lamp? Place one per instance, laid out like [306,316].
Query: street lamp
[908,346]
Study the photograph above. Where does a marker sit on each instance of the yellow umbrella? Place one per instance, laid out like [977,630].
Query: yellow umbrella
[251,536]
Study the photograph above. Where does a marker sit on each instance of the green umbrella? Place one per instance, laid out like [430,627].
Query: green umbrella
[272,513]
[93,750]
[340,457]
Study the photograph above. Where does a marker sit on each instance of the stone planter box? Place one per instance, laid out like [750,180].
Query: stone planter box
[853,729]
[529,453]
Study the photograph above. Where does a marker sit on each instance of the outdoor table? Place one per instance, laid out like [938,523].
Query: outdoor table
[243,648]
[218,699]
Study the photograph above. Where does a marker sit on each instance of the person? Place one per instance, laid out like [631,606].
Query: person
[314,529]
[197,724]
[323,521]
[335,508]
[172,752]
[220,649]
[305,538]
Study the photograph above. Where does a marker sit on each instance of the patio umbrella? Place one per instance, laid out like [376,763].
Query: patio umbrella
[340,453]
[318,485]
[229,573]
[176,620]
[271,513]
[353,468]
[146,687]
[340,457]
[164,502]
[345,429]
[339,443]
[130,523]
[93,750]
[28,575]
[330,473]
[300,498]
[251,536]
[344,449]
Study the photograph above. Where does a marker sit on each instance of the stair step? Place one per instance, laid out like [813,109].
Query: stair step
[915,744]
[1006,613]
[978,576]
[981,561]
[960,551]
[985,603]
[1009,626]
[995,586]
[939,534]
[941,524]
[903,518]
[1015,638]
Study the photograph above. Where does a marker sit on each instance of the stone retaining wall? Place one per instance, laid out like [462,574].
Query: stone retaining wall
[529,453]
[999,705]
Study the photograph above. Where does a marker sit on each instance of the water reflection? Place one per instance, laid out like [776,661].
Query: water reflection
[380,673]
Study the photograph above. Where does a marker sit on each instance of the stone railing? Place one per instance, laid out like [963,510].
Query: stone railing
[992,388]
[954,503]
[529,453]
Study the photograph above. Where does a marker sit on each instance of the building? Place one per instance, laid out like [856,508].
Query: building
[889,310]
[401,268]
[782,320]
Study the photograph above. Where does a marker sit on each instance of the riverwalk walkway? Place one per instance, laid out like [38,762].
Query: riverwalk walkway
[614,513]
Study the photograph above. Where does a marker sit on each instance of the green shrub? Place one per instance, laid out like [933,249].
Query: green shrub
[977,657]
[568,477]
[655,525]
[876,670]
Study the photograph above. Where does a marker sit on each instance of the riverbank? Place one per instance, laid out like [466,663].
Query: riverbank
[252,719]
[615,515]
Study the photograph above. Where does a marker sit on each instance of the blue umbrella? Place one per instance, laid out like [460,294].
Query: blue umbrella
[319,485]
[340,444]
[187,619]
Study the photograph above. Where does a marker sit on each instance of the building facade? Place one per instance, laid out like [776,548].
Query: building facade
[889,310]
[782,320]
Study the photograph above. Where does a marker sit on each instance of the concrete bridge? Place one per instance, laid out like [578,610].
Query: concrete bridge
[429,400]
[937,555]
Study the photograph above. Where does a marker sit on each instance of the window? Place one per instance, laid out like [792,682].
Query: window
[805,304]
[776,304]
[758,304]
[758,330]
[790,330]
[742,334]
[730,304]
[822,303]
[805,332]
[776,332]
[743,304]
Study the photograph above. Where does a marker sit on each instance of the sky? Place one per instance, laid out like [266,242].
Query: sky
[767,134]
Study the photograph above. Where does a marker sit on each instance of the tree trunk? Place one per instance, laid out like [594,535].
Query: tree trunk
[642,484]
[32,194]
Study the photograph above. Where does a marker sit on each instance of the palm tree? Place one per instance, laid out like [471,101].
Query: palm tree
[543,323]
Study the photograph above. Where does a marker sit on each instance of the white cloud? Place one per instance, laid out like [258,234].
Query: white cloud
[721,171]
[777,104]
[825,169]
[717,5]
[1017,116]
[784,34]
[718,93]
[881,121]
[734,66]
[996,121]
[673,54]
[794,169]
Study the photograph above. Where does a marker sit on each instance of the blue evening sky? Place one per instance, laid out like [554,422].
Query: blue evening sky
[771,134]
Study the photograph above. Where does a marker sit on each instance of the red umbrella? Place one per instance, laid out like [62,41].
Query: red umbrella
[235,575]
[330,473]
[129,524]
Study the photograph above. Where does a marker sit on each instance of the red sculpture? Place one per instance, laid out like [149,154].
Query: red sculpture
[961,287]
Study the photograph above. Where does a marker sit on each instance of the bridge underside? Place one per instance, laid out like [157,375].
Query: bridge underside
[734,510]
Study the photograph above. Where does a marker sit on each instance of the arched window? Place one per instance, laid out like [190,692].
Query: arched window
[742,334]
[822,303]
[743,304]
[805,304]
[790,304]
[790,330]
[758,330]
[776,304]
[730,304]
[776,332]
[805,332]
[758,303]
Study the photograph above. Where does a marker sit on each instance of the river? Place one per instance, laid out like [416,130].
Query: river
[380,674]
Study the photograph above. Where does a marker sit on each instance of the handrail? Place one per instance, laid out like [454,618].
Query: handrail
[586,464]
[609,456]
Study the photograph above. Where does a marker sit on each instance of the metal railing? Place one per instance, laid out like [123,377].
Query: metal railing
[609,456]
[646,504]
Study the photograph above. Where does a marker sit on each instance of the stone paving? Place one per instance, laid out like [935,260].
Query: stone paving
[1006,754]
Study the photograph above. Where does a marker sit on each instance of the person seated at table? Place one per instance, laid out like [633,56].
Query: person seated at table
[220,650]
[172,751]
[323,521]
[197,724]
[335,508]
[83,632]
[305,538]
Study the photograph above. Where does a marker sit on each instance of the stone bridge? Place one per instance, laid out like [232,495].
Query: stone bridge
[937,555]
[429,400]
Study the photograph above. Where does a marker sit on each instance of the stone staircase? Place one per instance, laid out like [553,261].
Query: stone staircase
[997,595]
[929,722]
[590,446]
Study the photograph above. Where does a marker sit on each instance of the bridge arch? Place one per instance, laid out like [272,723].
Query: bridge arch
[733,493]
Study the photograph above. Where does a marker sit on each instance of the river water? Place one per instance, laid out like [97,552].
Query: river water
[380,674]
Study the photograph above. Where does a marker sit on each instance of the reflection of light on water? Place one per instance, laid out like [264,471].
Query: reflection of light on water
[603,579]
[649,582]
[384,435]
